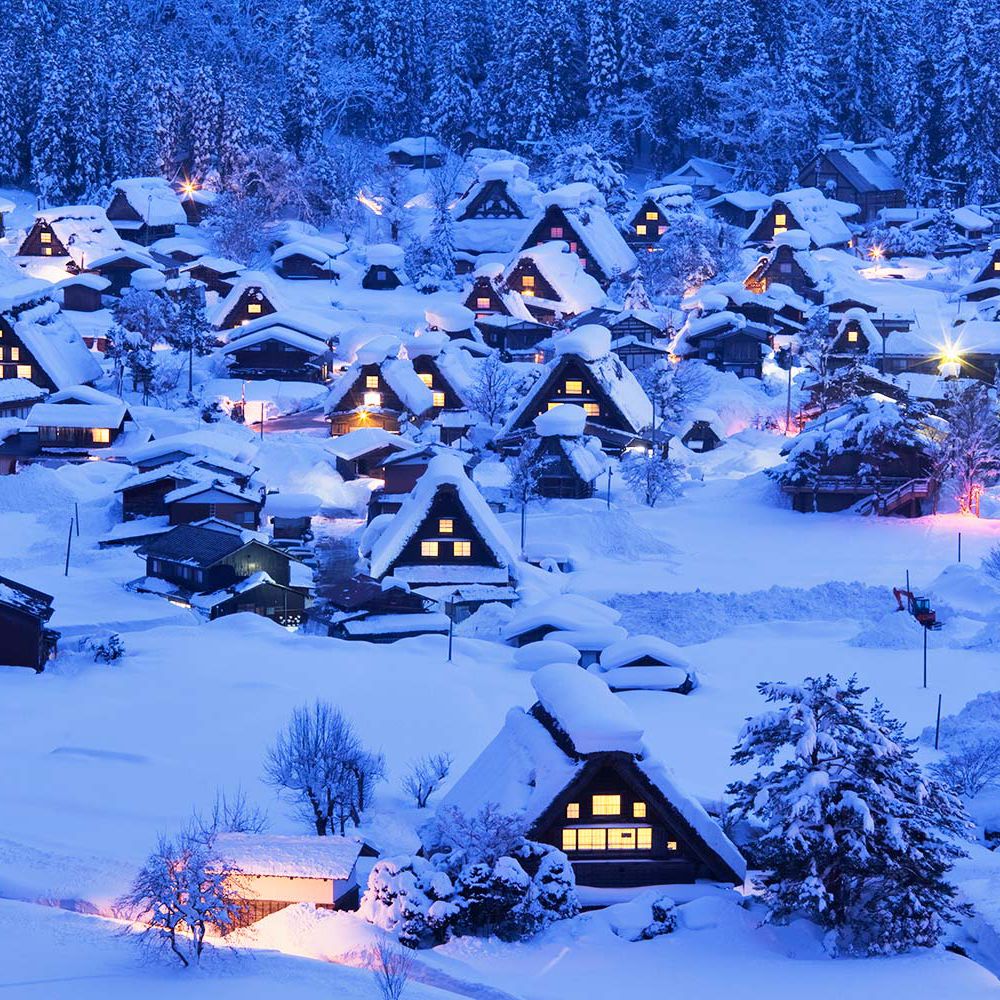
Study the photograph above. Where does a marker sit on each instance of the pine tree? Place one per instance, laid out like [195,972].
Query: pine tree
[190,331]
[303,124]
[636,297]
[205,122]
[454,99]
[604,80]
[852,833]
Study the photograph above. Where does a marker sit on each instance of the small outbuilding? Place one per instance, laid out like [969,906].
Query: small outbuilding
[24,611]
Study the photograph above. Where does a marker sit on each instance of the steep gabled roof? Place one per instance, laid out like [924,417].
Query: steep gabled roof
[576,290]
[399,376]
[247,280]
[27,599]
[85,231]
[56,345]
[153,200]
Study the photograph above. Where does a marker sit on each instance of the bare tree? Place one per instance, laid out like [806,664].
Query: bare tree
[972,768]
[183,891]
[425,777]
[490,391]
[319,761]
[230,813]
[651,476]
[392,965]
[525,469]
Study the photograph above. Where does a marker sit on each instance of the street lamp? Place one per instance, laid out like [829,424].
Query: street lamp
[451,620]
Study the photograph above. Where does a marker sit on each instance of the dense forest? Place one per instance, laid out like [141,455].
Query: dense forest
[95,89]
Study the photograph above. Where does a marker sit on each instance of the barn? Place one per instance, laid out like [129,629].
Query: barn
[24,612]
[145,209]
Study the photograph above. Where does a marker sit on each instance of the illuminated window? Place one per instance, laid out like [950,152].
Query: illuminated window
[640,230]
[660,230]
[778,230]
[48,251]
[24,371]
[573,810]
[429,549]
[45,237]
[592,840]
[101,435]
[373,399]
[652,216]
[574,387]
[427,379]
[438,400]
[552,406]
[644,840]
[607,805]
[583,262]
[996,265]
[557,232]
[483,302]
[15,354]
[446,526]
[371,381]
[592,409]
[253,308]
[527,281]
[572,247]
[781,219]
[852,336]
[639,810]
[569,840]
[621,839]
[462,549]
[671,845]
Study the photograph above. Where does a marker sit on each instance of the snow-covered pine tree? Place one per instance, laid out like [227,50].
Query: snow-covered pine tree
[852,834]
[190,331]
[303,120]
[50,140]
[205,122]
[970,453]
[959,80]
[454,100]
[604,80]
[636,296]
[530,107]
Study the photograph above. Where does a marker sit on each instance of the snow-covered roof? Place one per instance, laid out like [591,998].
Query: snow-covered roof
[416,145]
[221,265]
[577,291]
[639,647]
[706,416]
[87,280]
[442,471]
[153,200]
[81,415]
[202,442]
[292,505]
[699,172]
[56,345]
[565,420]
[565,612]
[868,168]
[306,248]
[822,218]
[589,342]
[745,201]
[222,487]
[533,655]
[306,322]
[586,456]
[359,442]
[671,197]
[16,390]
[384,255]
[450,316]
[280,333]
[266,283]
[86,233]
[400,377]
[329,857]
[513,174]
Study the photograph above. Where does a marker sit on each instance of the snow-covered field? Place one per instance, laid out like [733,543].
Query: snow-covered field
[99,759]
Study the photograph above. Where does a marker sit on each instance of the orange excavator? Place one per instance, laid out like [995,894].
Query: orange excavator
[919,607]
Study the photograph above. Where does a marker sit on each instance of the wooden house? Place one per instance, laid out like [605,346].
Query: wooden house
[197,202]
[361,452]
[122,269]
[24,612]
[575,215]
[367,610]
[384,263]
[725,340]
[444,533]
[253,295]
[309,259]
[280,353]
[645,663]
[788,266]
[656,209]
[177,250]
[613,808]
[443,369]
[552,283]
[514,338]
[493,214]
[703,432]
[585,372]
[738,208]
[805,210]
[18,396]
[79,418]
[217,498]
[399,473]
[456,322]
[377,393]
[855,337]
[81,233]
[36,341]
[422,152]
[279,871]
[290,515]
[569,462]
[144,493]
[706,178]
[217,274]
[84,292]
[863,174]
[145,209]
[986,283]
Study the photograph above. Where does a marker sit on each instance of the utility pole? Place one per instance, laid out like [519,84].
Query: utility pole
[69,543]
[960,546]
[609,486]
[925,655]
[76,509]
[937,725]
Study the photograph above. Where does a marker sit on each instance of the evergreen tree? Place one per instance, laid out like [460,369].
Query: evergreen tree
[190,331]
[303,119]
[852,834]
[205,122]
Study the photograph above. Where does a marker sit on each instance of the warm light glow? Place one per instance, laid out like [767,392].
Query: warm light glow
[254,308]
[592,409]
[438,400]
[462,549]
[446,526]
[101,435]
[573,810]
[574,388]
[24,371]
[640,230]
[371,381]
[639,810]
[189,187]
[852,336]
[370,202]
[652,216]
[607,805]
[781,220]
[482,303]
[876,252]
[426,377]
[429,550]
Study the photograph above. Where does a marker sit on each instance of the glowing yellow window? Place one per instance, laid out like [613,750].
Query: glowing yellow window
[427,379]
[446,526]
[671,845]
[996,265]
[101,435]
[24,371]
[429,549]
[652,216]
[462,549]
[644,839]
[527,293]
[852,336]
[371,381]
[48,251]
[781,219]
[552,406]
[592,409]
[607,805]
[592,840]
[778,230]
[438,400]
[527,281]
[253,308]
[573,810]
[621,839]
[15,354]
[45,237]
[639,810]
[483,302]
[574,387]
[569,840]
[640,230]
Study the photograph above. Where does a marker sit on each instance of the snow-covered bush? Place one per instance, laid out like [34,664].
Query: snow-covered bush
[582,163]
[183,892]
[895,241]
[651,477]
[853,835]
[108,650]
[969,457]
[972,768]
[664,919]
[991,563]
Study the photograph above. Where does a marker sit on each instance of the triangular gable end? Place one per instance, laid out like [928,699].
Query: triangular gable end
[492,201]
